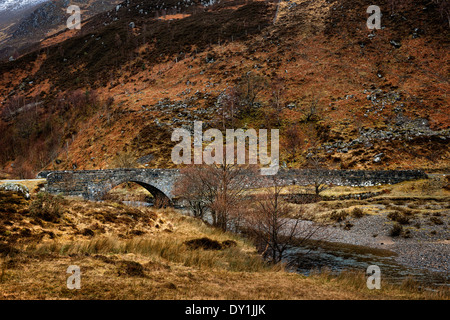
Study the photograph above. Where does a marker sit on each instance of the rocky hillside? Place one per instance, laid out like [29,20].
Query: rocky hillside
[11,9]
[25,23]
[356,98]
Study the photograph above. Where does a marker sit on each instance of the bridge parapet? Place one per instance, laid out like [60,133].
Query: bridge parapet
[93,184]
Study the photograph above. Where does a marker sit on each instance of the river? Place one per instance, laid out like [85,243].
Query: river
[337,257]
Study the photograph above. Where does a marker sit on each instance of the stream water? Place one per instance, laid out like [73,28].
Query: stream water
[342,257]
[339,257]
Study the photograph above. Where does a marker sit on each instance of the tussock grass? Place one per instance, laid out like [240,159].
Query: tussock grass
[338,216]
[436,220]
[357,280]
[163,249]
[396,230]
[357,212]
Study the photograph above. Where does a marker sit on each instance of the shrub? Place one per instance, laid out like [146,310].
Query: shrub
[357,212]
[437,214]
[399,217]
[229,244]
[203,243]
[87,232]
[348,226]
[12,202]
[436,220]
[7,249]
[396,230]
[405,211]
[338,216]
[131,268]
[46,207]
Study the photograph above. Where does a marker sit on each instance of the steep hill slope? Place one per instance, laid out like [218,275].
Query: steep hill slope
[25,23]
[358,98]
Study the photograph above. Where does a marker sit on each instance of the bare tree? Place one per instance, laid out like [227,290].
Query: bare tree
[312,110]
[195,188]
[249,89]
[317,175]
[13,106]
[277,226]
[229,107]
[214,189]
[277,99]
[232,182]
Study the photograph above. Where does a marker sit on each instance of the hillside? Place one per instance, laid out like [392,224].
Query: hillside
[23,24]
[11,10]
[358,98]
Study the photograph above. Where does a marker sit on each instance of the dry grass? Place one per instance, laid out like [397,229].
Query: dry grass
[156,264]
[165,248]
[409,198]
[129,192]
[103,276]
[408,289]
[433,187]
[417,189]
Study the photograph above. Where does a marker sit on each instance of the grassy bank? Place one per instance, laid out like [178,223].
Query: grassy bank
[142,253]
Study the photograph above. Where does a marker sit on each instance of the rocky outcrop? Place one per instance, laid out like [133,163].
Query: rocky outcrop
[16,187]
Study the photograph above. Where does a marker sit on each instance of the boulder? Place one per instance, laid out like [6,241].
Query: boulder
[16,187]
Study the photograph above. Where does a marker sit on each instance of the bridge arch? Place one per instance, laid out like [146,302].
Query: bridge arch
[160,198]
[94,184]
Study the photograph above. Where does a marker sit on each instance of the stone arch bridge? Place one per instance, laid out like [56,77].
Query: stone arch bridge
[94,184]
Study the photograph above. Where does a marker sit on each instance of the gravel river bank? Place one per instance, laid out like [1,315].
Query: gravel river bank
[425,251]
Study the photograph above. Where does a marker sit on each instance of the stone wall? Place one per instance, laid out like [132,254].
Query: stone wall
[355,178]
